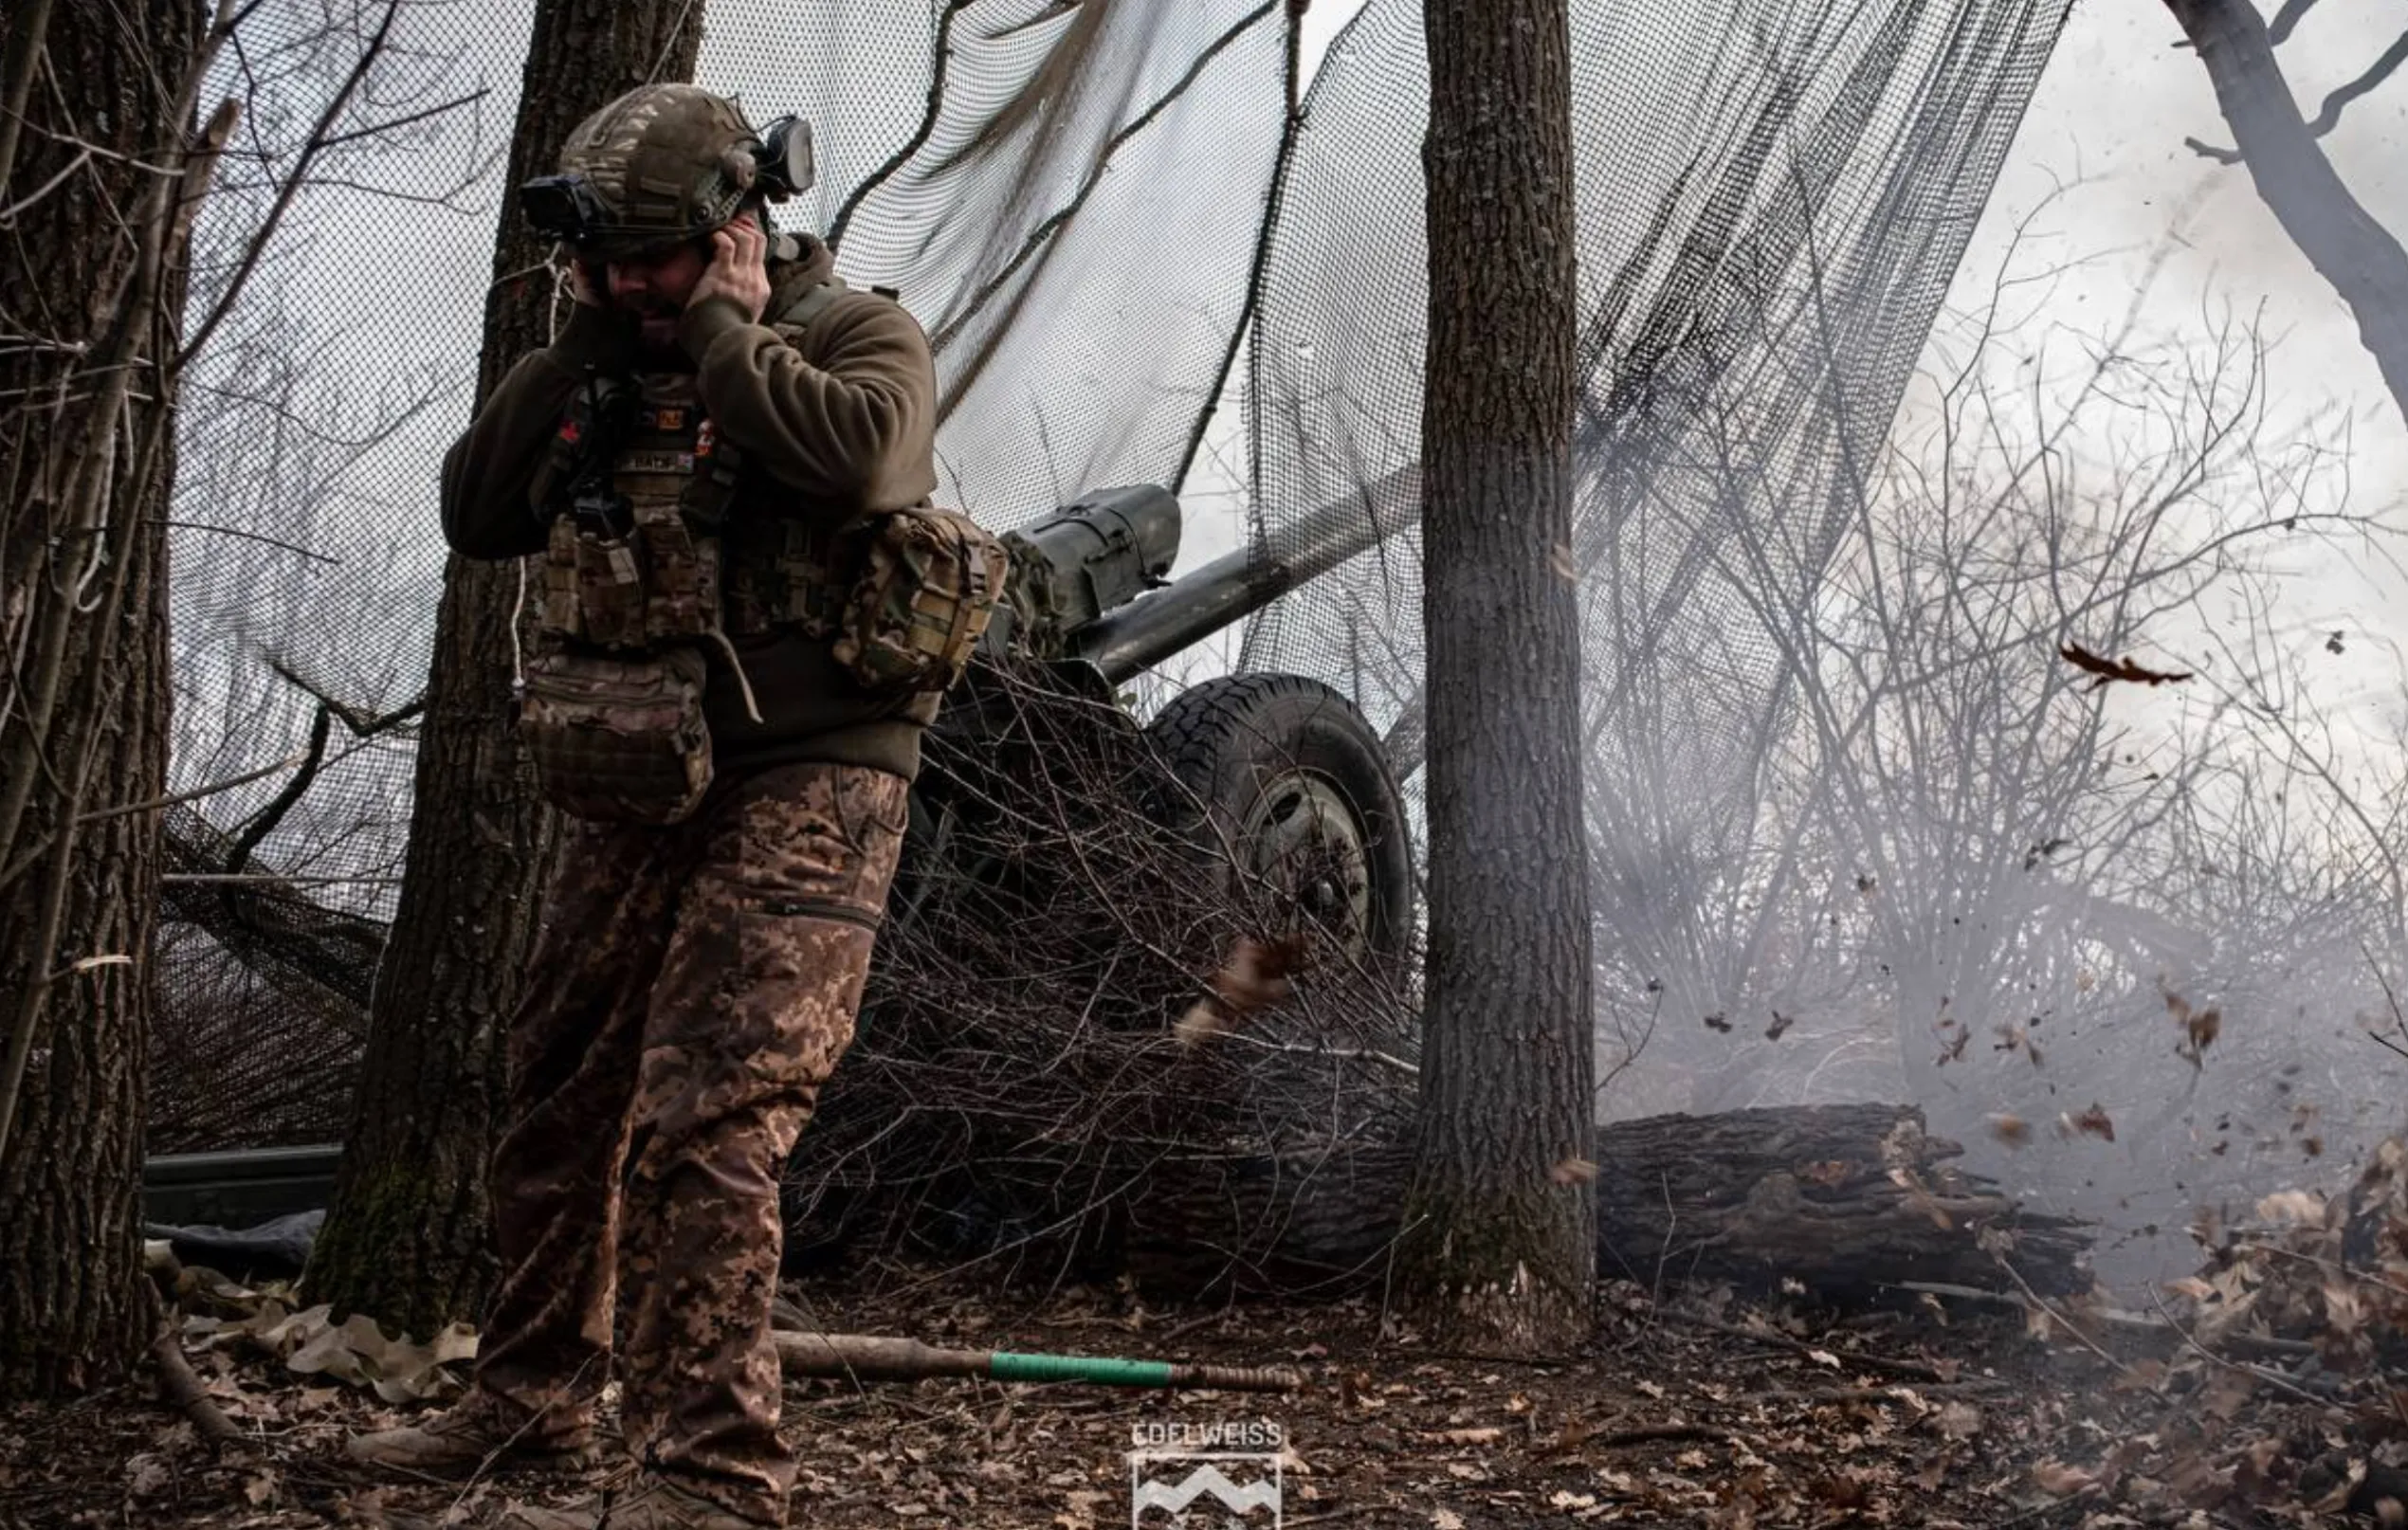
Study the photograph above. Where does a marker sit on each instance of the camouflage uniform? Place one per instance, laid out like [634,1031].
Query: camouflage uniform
[694,983]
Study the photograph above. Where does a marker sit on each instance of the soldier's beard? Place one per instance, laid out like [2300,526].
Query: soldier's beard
[656,332]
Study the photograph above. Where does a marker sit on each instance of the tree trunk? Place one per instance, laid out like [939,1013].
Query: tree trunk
[2358,255]
[1501,1250]
[407,1239]
[1753,1198]
[93,284]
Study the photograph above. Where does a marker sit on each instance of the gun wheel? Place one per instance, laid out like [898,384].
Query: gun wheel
[1280,781]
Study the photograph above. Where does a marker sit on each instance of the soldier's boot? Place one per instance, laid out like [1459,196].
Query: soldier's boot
[477,1434]
[652,1502]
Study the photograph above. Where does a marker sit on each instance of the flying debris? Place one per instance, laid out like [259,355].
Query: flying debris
[2108,670]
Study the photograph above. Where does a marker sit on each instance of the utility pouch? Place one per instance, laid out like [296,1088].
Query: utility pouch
[618,740]
[928,583]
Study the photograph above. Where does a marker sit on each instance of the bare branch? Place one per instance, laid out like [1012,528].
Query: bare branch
[2212,151]
[249,536]
[199,791]
[376,129]
[9,213]
[16,80]
[2362,260]
[368,53]
[2286,19]
[2328,116]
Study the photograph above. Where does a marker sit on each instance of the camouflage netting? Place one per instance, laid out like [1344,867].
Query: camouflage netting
[1774,198]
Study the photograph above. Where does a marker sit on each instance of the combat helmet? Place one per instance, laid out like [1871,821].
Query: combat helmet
[661,165]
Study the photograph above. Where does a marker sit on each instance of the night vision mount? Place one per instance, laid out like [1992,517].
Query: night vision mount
[783,164]
[568,210]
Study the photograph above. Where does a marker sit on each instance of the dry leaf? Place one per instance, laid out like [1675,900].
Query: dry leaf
[1445,1519]
[2062,1481]
[1954,1038]
[1199,1025]
[1717,1023]
[2012,1130]
[2301,1207]
[2106,670]
[1959,1420]
[1255,975]
[1573,1171]
[146,1475]
[1823,1358]
[2091,1123]
[1780,1026]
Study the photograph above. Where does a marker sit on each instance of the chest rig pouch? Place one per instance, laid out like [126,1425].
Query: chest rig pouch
[612,714]
[902,596]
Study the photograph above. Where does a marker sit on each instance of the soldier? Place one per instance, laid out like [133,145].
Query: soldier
[714,411]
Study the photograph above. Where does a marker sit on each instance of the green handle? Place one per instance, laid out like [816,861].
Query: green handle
[1003,1365]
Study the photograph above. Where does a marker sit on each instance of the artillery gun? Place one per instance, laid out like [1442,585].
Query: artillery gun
[1278,779]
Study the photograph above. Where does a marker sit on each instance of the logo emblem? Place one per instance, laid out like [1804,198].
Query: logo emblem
[1204,1486]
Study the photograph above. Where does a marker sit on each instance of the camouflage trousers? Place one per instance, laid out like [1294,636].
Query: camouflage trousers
[691,989]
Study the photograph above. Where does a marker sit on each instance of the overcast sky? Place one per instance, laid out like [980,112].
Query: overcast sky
[2101,159]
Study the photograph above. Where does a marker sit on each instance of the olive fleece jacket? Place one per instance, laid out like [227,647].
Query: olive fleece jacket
[841,421]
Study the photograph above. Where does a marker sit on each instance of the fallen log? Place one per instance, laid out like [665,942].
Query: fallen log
[1843,1201]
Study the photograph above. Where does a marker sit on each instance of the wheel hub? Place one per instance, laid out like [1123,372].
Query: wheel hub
[1303,840]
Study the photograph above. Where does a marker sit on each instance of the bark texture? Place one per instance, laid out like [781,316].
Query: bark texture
[407,1239]
[2345,244]
[90,289]
[1499,1247]
[1752,1197]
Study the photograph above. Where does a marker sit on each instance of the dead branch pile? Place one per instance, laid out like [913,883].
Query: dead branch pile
[264,994]
[1088,1047]
[1070,1002]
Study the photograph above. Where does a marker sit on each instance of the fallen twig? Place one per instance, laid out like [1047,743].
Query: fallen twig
[2254,1373]
[2114,1318]
[1874,1362]
[177,1381]
[1892,1393]
[1658,1434]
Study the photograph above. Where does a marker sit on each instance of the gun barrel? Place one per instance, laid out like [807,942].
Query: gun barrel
[1236,584]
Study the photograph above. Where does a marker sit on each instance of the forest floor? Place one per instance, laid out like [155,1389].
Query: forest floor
[1712,1413]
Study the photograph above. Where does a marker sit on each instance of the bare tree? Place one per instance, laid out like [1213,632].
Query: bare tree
[2362,260]
[105,311]
[99,172]
[1500,1246]
[408,1237]
[1957,833]
[109,300]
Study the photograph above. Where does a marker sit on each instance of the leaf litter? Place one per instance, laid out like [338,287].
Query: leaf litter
[2268,1388]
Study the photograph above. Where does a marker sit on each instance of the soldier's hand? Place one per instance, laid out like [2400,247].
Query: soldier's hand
[738,268]
[584,286]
